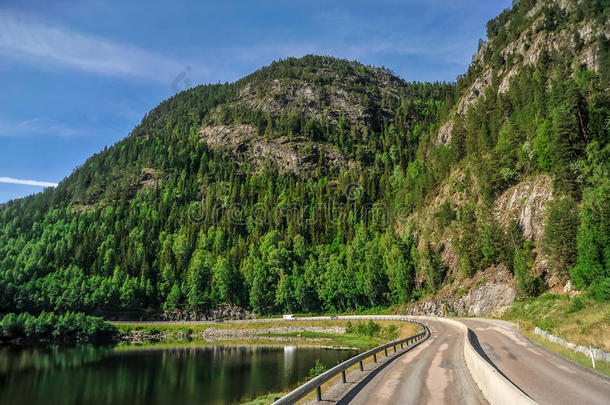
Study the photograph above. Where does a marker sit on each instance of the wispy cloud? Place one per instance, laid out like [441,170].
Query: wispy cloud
[27,182]
[41,126]
[44,44]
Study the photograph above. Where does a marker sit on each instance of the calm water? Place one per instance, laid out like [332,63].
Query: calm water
[176,376]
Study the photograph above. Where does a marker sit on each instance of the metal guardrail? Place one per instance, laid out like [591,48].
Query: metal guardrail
[316,383]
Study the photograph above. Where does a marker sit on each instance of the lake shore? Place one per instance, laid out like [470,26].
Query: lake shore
[331,333]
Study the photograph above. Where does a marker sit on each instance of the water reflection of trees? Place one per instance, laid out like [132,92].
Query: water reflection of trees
[209,374]
[16,359]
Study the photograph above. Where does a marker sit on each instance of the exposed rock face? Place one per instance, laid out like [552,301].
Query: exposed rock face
[454,192]
[444,133]
[449,257]
[290,154]
[475,91]
[484,297]
[503,88]
[330,98]
[526,203]
[298,96]
[487,297]
[477,58]
[526,51]
[149,178]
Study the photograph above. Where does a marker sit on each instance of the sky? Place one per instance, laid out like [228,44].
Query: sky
[76,76]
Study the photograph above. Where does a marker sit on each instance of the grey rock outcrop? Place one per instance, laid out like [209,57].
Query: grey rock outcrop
[526,203]
[226,312]
[290,154]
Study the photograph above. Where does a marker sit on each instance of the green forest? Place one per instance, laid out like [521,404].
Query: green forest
[214,228]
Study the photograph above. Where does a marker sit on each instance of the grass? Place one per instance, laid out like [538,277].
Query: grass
[579,320]
[264,399]
[347,340]
[481,281]
[600,366]
[186,333]
[202,326]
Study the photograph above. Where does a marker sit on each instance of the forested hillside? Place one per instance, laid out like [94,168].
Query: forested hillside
[320,184]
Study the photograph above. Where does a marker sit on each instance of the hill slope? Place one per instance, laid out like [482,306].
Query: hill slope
[322,184]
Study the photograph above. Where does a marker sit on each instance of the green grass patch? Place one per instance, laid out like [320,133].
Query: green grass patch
[481,281]
[581,320]
[360,335]
[359,342]
[264,399]
[600,366]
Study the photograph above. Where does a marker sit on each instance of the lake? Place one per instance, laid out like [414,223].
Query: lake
[181,375]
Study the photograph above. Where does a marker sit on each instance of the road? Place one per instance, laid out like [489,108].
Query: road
[544,376]
[432,373]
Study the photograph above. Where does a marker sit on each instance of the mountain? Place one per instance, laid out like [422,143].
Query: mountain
[322,184]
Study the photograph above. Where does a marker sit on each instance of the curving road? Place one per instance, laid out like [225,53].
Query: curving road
[435,373]
[546,377]
[432,373]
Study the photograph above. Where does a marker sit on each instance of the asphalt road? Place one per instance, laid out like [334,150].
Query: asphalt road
[432,373]
[544,376]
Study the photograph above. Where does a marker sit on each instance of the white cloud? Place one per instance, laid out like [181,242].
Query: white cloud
[27,182]
[43,44]
[41,126]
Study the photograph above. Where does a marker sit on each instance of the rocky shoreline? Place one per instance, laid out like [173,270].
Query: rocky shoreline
[212,334]
[223,312]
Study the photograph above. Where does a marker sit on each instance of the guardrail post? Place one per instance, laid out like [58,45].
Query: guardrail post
[317,382]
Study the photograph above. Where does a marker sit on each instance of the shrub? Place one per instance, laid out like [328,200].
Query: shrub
[577,305]
[372,328]
[445,215]
[369,328]
[47,327]
[391,332]
[601,290]
[317,369]
[522,267]
[560,229]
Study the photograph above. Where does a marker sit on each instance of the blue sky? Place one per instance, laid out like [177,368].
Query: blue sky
[78,75]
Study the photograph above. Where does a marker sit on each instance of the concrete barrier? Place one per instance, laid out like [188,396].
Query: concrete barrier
[496,388]
[598,354]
